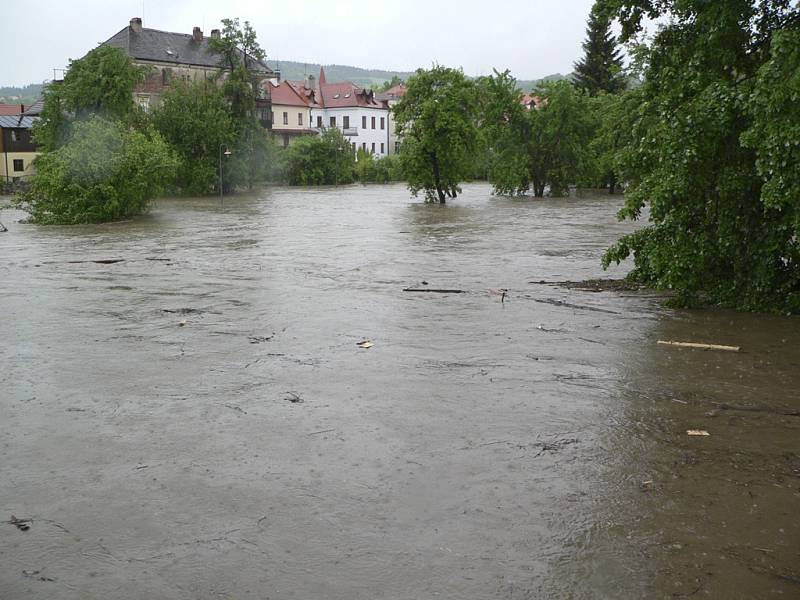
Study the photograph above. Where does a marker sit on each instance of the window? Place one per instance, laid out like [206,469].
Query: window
[19,164]
[346,122]
[364,146]
[373,143]
[319,122]
[273,116]
[166,76]
[363,122]
[373,122]
[286,118]
[383,122]
[383,148]
[397,147]
[14,135]
[333,121]
[300,119]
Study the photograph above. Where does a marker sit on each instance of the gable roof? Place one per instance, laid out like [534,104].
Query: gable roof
[286,94]
[344,95]
[10,109]
[169,47]
[394,93]
[16,122]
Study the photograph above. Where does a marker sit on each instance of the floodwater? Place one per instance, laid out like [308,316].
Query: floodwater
[197,420]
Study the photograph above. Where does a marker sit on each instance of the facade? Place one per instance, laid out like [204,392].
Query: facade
[17,150]
[176,57]
[291,113]
[391,97]
[362,118]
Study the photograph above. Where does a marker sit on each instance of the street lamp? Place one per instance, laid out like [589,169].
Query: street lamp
[226,153]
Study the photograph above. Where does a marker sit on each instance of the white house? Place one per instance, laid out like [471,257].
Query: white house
[362,118]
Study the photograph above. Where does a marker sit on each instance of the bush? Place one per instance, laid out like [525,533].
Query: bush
[104,172]
[377,170]
[326,159]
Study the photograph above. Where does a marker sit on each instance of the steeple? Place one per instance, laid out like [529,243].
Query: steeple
[322,80]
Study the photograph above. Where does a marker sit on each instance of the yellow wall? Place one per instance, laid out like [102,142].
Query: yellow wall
[279,109]
[26,157]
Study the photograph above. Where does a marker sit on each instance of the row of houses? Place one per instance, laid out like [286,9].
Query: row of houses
[290,109]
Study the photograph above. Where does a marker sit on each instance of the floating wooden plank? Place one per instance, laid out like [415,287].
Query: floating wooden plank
[700,346]
[434,290]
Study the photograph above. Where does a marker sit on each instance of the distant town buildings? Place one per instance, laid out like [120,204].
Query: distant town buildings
[17,149]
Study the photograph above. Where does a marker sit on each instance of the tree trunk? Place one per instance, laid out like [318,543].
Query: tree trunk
[437,179]
[612,183]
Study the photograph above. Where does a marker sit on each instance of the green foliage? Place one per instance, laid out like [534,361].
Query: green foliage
[239,51]
[540,148]
[389,84]
[609,114]
[327,159]
[105,171]
[377,170]
[437,120]
[600,69]
[101,82]
[194,118]
[712,148]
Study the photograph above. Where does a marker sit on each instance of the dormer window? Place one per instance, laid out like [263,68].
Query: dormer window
[336,96]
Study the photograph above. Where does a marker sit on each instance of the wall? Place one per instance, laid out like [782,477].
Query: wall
[9,157]
[363,137]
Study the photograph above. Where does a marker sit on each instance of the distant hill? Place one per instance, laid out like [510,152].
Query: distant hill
[20,95]
[369,78]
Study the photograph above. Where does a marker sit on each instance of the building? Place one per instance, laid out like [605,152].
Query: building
[391,97]
[291,112]
[177,57]
[357,112]
[17,149]
[531,101]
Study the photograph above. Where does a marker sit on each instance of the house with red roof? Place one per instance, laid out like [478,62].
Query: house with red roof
[291,112]
[391,97]
[360,115]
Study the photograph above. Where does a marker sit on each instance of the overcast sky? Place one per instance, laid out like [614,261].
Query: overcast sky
[532,38]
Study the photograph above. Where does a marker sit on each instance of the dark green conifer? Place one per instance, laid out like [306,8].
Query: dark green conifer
[600,69]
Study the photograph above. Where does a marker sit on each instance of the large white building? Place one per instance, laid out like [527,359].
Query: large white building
[362,118]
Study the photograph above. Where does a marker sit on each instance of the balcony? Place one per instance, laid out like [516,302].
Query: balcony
[350,131]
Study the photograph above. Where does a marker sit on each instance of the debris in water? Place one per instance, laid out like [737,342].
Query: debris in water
[260,339]
[21,524]
[294,397]
[3,228]
[182,323]
[365,344]
[435,290]
[697,432]
[33,574]
[700,346]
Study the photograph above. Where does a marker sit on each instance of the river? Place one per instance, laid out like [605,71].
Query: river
[196,421]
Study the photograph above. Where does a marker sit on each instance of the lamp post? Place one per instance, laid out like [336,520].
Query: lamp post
[226,153]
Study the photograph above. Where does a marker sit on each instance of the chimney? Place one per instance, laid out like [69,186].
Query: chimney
[136,24]
[21,109]
[215,34]
[197,34]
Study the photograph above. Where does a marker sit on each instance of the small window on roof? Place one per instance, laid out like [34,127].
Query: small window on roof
[347,95]
[336,96]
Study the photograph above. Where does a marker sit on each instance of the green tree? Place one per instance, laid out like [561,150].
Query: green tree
[539,148]
[600,69]
[102,82]
[437,121]
[327,159]
[104,172]
[195,119]
[713,150]
[387,85]
[240,53]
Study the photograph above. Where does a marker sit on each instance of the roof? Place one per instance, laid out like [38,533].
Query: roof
[337,95]
[10,109]
[35,109]
[165,46]
[531,101]
[394,93]
[17,122]
[286,94]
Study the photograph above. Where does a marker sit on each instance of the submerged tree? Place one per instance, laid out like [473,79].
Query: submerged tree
[600,69]
[102,82]
[713,149]
[105,171]
[437,121]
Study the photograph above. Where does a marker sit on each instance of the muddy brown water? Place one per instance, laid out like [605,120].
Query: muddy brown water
[197,421]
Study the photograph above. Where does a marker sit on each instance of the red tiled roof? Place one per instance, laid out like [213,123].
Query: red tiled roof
[287,95]
[531,101]
[397,91]
[9,110]
[335,95]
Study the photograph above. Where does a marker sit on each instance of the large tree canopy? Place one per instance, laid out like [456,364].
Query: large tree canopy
[712,147]
[437,121]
